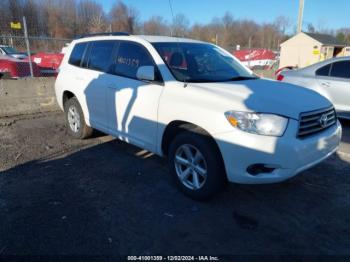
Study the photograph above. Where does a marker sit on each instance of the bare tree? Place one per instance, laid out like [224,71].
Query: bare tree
[311,28]
[90,16]
[124,18]
[180,25]
[62,20]
[230,32]
[201,32]
[343,34]
[97,24]
[282,23]
[8,14]
[156,25]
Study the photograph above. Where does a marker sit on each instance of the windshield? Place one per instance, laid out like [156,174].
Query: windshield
[200,62]
[9,50]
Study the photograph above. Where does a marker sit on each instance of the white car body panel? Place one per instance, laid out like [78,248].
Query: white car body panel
[139,112]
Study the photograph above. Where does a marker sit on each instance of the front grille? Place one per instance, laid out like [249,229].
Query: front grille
[316,121]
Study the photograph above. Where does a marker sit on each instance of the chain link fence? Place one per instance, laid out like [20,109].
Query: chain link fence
[32,56]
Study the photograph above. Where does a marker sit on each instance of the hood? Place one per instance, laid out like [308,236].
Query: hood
[266,96]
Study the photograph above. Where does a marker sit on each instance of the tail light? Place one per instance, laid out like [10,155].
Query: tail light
[280,77]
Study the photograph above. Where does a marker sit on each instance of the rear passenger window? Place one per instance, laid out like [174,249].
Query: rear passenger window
[323,71]
[341,69]
[77,54]
[129,58]
[100,55]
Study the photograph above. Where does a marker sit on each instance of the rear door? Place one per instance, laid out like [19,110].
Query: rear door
[96,79]
[70,76]
[334,83]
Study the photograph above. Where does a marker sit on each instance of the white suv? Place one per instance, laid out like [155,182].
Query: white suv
[196,104]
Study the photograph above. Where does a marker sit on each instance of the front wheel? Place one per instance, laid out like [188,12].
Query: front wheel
[75,120]
[196,165]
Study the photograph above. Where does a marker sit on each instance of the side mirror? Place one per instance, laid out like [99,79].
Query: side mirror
[145,73]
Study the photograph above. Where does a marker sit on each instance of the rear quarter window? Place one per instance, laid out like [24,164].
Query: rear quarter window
[77,54]
[323,71]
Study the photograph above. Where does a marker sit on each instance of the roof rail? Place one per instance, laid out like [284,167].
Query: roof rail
[104,34]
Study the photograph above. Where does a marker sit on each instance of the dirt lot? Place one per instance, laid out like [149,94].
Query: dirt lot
[102,196]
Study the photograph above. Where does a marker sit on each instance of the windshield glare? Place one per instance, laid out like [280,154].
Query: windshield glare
[200,62]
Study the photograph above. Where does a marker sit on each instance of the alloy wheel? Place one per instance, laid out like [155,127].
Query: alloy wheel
[190,166]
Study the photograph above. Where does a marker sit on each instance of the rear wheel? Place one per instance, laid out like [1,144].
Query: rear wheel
[75,120]
[196,165]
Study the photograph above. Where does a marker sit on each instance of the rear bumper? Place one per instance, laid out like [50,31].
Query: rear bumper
[288,155]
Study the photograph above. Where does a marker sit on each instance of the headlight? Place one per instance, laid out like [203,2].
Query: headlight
[258,123]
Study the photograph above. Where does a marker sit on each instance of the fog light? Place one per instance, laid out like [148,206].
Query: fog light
[257,169]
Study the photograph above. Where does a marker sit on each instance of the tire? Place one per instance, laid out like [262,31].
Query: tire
[205,186]
[75,121]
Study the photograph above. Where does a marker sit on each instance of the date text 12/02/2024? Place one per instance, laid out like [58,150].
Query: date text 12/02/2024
[173,258]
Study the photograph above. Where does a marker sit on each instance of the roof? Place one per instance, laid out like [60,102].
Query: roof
[157,39]
[326,39]
[148,38]
[326,62]
[310,70]
[254,54]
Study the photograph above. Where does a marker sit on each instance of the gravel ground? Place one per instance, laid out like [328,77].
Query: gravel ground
[102,196]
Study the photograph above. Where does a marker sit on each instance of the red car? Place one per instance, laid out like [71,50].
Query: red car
[16,68]
[48,63]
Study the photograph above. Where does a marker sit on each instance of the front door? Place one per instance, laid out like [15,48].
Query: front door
[133,104]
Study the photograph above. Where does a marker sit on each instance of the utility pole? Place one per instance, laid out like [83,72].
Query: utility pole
[300,15]
[250,50]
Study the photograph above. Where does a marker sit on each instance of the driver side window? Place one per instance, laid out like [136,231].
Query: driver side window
[130,57]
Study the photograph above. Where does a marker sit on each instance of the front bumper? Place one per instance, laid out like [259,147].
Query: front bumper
[288,154]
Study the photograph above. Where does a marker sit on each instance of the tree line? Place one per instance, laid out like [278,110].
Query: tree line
[69,18]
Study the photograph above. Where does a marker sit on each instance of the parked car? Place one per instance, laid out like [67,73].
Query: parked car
[278,72]
[256,58]
[48,63]
[330,78]
[196,104]
[15,68]
[10,51]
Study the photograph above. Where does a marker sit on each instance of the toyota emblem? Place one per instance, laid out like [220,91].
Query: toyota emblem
[323,120]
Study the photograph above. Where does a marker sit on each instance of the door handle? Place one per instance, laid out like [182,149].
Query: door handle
[79,78]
